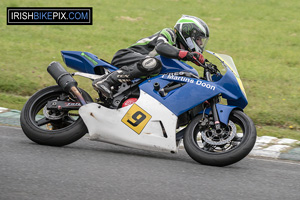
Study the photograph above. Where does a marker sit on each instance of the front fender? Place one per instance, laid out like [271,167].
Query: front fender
[223,112]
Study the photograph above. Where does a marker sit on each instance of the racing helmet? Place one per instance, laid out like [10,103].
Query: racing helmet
[192,33]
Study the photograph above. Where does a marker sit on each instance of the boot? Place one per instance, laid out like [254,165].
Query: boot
[105,83]
[116,78]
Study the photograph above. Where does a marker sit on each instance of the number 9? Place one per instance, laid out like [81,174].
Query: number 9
[138,117]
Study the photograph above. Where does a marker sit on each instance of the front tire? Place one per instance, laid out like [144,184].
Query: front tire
[58,129]
[205,148]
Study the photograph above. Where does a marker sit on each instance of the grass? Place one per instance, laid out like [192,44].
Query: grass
[278,132]
[261,36]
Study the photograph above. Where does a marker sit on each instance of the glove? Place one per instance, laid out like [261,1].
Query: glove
[199,57]
[191,56]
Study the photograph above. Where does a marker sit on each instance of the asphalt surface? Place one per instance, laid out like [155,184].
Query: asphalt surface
[266,146]
[94,170]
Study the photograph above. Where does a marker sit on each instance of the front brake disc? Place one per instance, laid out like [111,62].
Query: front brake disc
[211,137]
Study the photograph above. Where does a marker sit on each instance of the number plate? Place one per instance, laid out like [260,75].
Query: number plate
[136,118]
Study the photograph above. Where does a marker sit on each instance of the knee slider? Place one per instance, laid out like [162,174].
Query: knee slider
[150,65]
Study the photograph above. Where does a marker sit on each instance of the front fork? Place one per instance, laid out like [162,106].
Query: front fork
[213,103]
[215,114]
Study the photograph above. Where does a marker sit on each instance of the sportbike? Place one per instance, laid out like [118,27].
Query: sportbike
[153,113]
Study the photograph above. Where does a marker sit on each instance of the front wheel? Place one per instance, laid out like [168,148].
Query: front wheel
[52,127]
[209,147]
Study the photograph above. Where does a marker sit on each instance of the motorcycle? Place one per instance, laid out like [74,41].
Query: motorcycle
[152,113]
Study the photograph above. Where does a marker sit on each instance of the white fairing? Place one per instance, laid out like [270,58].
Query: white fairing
[157,131]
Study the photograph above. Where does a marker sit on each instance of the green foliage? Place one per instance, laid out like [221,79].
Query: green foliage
[261,36]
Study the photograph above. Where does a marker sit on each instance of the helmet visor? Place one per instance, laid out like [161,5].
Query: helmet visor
[197,44]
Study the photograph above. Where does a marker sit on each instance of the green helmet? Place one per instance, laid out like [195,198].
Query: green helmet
[192,33]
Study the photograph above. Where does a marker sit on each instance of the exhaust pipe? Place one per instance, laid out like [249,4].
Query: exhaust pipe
[65,80]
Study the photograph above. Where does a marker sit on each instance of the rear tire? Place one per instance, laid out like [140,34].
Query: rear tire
[225,154]
[35,125]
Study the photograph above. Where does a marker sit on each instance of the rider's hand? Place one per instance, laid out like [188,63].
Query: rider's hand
[191,56]
[198,57]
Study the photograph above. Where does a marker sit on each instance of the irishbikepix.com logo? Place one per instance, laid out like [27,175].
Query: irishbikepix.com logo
[49,16]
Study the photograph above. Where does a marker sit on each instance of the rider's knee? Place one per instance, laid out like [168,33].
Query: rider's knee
[150,65]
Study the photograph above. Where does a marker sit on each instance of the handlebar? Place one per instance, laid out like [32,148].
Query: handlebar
[209,67]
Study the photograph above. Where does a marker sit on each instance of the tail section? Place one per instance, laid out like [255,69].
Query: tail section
[86,62]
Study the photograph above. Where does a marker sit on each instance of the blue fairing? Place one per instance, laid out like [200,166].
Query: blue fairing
[195,91]
[179,100]
[233,94]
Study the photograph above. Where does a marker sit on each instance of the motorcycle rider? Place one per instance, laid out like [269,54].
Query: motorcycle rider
[185,42]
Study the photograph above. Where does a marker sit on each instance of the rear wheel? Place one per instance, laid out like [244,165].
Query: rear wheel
[233,143]
[48,127]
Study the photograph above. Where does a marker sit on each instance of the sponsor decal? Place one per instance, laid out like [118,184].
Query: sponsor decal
[72,104]
[49,16]
[136,118]
[189,80]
